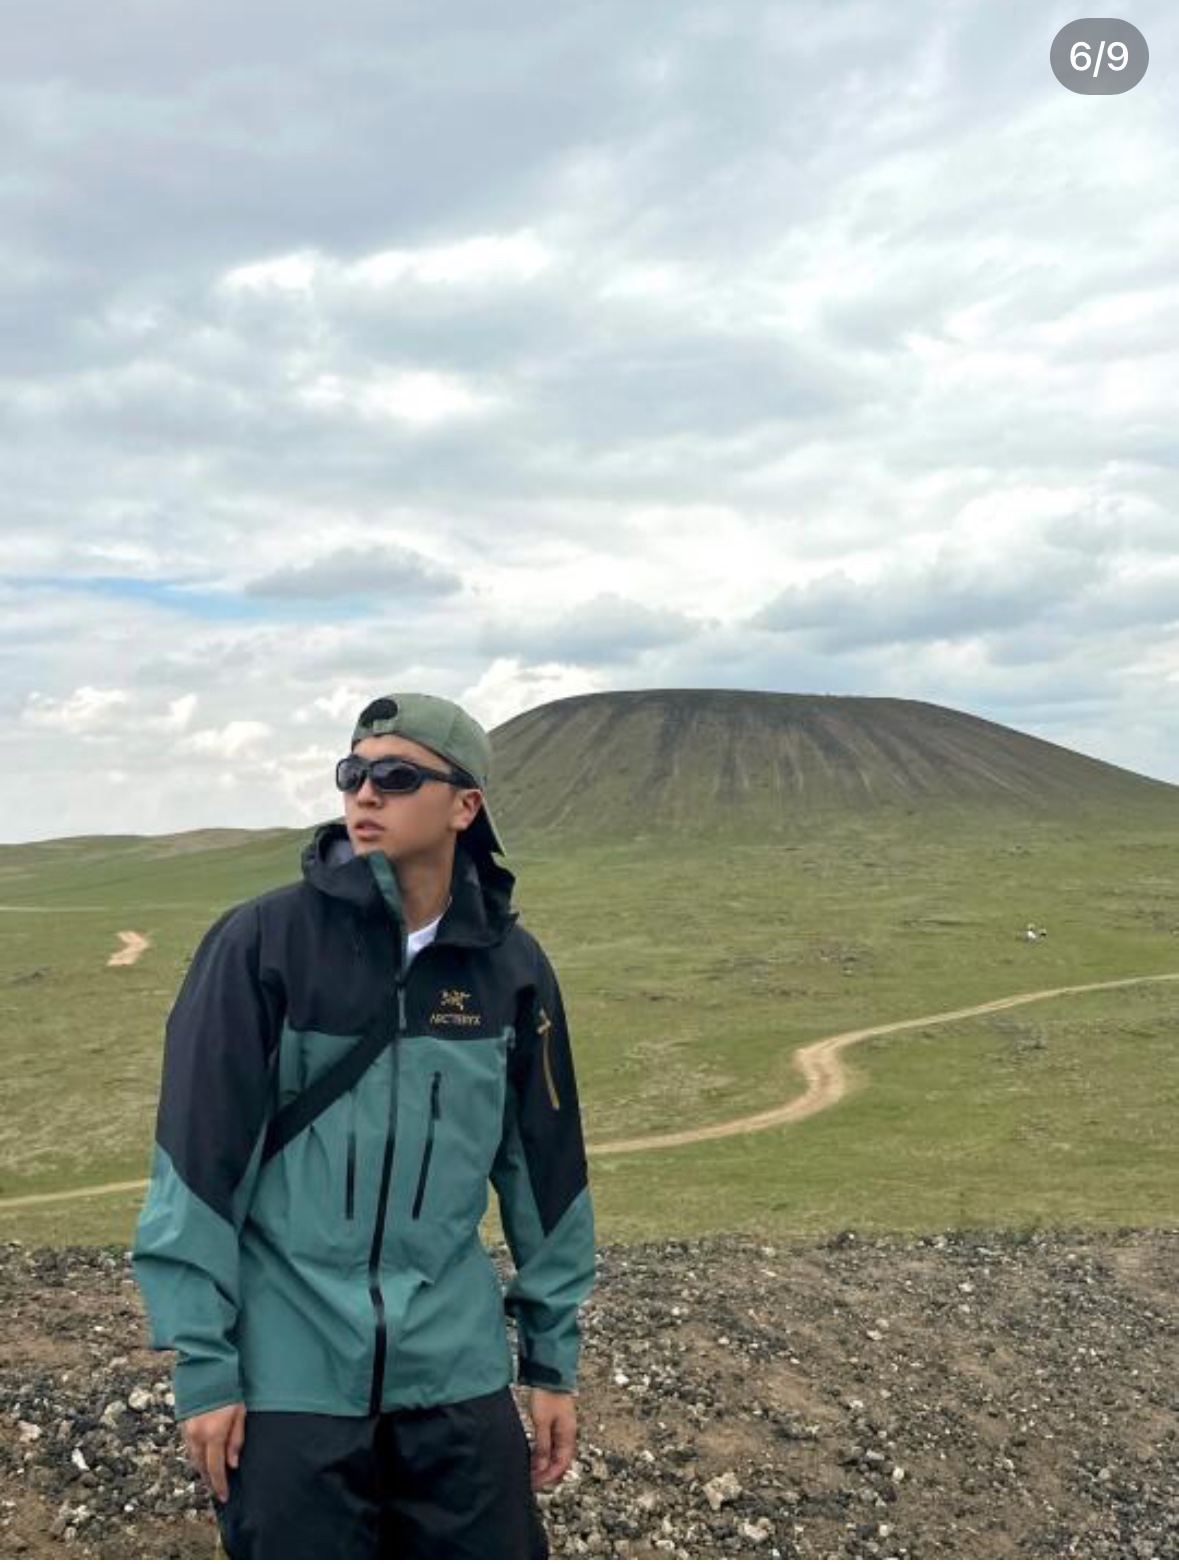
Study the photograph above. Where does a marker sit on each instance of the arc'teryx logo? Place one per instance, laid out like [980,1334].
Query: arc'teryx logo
[458,1014]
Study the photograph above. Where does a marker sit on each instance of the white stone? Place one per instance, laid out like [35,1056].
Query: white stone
[720,1489]
[755,1531]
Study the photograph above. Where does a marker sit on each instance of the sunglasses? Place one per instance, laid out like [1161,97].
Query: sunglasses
[392,775]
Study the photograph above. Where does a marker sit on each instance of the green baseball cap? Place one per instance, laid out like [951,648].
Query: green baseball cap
[448,730]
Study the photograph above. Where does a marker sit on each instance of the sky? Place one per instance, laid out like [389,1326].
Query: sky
[516,351]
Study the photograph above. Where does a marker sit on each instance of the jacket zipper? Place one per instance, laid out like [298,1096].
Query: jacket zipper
[376,1390]
[434,1113]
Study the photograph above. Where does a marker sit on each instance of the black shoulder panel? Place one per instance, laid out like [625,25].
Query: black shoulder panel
[546,1093]
[219,1037]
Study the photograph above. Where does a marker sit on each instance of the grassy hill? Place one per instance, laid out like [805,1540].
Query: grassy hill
[642,765]
[719,876]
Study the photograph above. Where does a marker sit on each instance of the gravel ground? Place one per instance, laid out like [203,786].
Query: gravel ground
[954,1395]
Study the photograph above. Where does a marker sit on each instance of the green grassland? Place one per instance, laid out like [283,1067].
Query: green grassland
[691,970]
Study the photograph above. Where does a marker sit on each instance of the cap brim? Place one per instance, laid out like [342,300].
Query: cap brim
[483,833]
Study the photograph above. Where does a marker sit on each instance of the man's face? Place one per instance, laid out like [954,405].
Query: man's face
[410,823]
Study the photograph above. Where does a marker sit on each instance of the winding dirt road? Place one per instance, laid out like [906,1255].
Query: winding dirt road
[822,1069]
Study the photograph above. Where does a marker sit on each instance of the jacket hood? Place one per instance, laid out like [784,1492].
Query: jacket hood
[480,910]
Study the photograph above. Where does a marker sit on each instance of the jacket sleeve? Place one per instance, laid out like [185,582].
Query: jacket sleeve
[541,1182]
[220,1040]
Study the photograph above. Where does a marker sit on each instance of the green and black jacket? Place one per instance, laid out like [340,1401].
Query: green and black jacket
[344,1273]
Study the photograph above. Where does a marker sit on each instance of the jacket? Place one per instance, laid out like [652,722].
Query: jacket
[345,1273]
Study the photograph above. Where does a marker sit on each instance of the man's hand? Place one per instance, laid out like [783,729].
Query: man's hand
[213,1437]
[554,1424]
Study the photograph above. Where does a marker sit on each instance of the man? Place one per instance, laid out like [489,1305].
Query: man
[349,1060]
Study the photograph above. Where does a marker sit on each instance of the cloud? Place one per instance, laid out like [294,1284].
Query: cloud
[87,711]
[98,713]
[946,598]
[509,353]
[234,740]
[415,397]
[359,572]
[178,716]
[482,260]
[605,630]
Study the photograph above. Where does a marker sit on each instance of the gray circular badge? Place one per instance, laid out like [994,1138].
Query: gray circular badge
[1099,54]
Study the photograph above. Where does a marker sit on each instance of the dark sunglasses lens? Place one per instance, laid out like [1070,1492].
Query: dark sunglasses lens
[348,775]
[394,776]
[391,776]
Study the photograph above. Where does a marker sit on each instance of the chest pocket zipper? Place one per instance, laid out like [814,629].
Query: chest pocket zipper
[350,1186]
[434,1113]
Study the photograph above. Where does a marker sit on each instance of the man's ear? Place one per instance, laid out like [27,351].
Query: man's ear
[478,792]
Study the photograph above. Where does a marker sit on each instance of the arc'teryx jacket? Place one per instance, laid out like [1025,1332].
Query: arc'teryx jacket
[345,1273]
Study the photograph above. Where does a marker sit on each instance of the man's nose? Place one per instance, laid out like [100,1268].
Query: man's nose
[368,791]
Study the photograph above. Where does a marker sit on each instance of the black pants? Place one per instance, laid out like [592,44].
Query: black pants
[447,1481]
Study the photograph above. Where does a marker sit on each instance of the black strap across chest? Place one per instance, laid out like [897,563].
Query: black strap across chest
[338,1078]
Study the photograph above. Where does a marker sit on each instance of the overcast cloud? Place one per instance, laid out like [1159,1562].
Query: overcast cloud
[515,351]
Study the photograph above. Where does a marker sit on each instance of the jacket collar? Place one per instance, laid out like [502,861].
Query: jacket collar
[480,911]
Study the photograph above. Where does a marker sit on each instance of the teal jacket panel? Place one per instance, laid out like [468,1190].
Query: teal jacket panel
[342,1270]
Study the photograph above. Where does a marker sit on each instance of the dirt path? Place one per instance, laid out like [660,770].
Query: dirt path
[826,1083]
[823,1071]
[73,1194]
[134,946]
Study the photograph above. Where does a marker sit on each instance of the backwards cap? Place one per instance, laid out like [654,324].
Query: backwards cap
[448,730]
